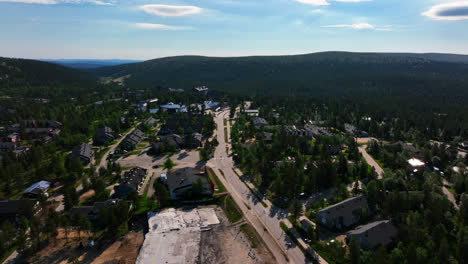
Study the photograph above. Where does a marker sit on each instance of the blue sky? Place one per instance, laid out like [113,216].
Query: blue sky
[146,29]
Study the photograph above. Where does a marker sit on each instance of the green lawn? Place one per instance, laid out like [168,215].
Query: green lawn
[225,135]
[231,210]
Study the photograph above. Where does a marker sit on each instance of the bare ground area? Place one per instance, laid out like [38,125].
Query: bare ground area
[60,251]
[226,243]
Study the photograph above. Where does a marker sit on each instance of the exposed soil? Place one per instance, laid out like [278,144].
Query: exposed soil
[62,251]
[226,243]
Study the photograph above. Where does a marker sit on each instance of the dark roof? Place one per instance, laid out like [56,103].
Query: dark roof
[14,207]
[133,177]
[410,148]
[183,177]
[92,211]
[346,207]
[259,121]
[82,151]
[135,137]
[376,233]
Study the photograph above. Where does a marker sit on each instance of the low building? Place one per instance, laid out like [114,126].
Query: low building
[171,107]
[12,209]
[132,140]
[334,149]
[350,129]
[105,134]
[37,189]
[132,181]
[181,181]
[252,112]
[141,106]
[38,132]
[150,122]
[53,124]
[211,105]
[83,151]
[13,137]
[193,141]
[411,149]
[259,122]
[373,235]
[344,214]
[92,212]
[415,164]
[173,141]
[201,89]
[7,146]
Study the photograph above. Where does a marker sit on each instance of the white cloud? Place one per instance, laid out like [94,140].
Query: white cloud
[353,26]
[44,2]
[353,1]
[314,2]
[53,2]
[448,11]
[160,27]
[324,2]
[170,10]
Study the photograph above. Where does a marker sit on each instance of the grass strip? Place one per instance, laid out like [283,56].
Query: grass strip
[251,234]
[232,211]
[215,178]
[225,135]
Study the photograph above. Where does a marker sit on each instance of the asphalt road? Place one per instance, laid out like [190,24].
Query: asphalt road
[265,220]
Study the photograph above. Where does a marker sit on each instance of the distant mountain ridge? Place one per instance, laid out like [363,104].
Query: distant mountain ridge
[37,78]
[442,57]
[325,73]
[89,64]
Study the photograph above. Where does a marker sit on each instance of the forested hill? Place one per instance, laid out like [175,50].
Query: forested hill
[36,78]
[327,73]
[443,57]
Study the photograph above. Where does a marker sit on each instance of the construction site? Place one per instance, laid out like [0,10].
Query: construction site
[198,235]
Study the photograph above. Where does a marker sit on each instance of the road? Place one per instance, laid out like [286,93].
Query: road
[371,161]
[104,160]
[265,220]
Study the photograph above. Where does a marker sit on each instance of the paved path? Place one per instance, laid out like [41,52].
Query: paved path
[264,220]
[449,195]
[371,161]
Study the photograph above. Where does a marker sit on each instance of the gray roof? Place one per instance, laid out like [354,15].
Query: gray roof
[82,151]
[346,207]
[375,233]
[38,187]
[183,177]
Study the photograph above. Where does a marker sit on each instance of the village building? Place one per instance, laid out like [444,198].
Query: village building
[105,134]
[132,181]
[343,214]
[181,181]
[37,189]
[84,152]
[373,235]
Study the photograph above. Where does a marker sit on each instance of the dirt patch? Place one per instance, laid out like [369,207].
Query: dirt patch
[61,250]
[226,243]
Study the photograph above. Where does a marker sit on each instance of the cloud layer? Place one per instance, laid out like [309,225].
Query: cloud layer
[324,2]
[448,11]
[353,26]
[170,10]
[53,2]
[151,26]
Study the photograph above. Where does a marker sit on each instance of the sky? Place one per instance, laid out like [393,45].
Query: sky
[147,29]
